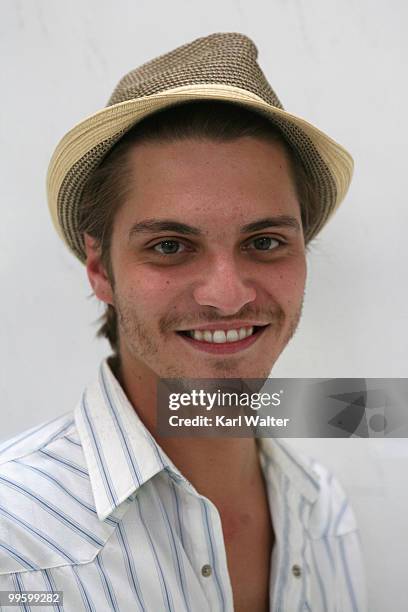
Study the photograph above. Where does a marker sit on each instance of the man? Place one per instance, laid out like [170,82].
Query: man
[190,199]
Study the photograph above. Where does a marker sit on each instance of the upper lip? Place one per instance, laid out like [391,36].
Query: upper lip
[224,326]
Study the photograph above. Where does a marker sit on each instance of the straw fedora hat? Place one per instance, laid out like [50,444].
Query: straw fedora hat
[221,66]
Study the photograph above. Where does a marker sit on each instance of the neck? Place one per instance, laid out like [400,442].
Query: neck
[219,468]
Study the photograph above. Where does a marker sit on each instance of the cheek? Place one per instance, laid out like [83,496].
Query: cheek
[286,281]
[149,292]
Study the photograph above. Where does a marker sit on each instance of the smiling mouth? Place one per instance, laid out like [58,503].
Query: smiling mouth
[223,337]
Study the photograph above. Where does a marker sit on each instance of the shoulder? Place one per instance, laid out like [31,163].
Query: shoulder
[45,498]
[316,486]
[33,459]
[36,437]
[331,513]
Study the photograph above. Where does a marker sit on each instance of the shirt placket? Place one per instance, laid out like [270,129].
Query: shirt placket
[206,550]
[290,569]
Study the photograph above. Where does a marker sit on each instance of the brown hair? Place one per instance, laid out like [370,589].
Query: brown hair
[107,187]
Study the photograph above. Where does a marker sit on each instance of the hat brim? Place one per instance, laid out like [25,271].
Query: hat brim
[110,123]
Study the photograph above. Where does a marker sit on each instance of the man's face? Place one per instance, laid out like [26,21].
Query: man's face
[209,242]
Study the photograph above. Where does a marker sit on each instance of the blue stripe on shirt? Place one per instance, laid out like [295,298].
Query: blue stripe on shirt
[99,454]
[57,513]
[41,535]
[121,431]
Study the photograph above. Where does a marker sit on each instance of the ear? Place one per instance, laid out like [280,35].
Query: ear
[96,271]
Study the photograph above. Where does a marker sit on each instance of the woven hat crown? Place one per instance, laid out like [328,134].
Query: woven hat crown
[225,59]
[221,66]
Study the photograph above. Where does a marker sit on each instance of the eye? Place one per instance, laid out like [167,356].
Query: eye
[265,243]
[169,247]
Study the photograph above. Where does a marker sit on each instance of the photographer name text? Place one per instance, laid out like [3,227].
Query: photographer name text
[223,421]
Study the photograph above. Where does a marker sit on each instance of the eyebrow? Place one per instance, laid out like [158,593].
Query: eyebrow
[151,226]
[280,221]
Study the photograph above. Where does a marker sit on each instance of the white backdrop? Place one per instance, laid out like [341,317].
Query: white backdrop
[338,63]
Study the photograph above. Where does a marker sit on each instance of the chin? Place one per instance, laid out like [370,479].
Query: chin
[226,368]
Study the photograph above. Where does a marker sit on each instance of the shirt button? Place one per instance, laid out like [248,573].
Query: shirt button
[296,570]
[206,570]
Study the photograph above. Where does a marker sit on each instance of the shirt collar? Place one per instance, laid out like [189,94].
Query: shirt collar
[122,455]
[293,465]
[120,452]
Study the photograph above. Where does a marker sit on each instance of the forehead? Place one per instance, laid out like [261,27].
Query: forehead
[208,181]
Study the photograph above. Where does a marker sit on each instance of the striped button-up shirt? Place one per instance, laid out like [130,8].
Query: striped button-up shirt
[90,505]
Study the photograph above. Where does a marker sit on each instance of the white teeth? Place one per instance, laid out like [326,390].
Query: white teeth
[248,331]
[219,336]
[232,335]
[242,333]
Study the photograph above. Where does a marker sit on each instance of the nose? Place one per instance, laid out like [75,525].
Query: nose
[224,287]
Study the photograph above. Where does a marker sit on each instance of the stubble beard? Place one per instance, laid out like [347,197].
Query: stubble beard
[142,346]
